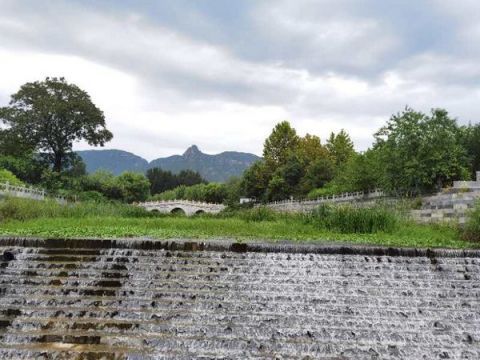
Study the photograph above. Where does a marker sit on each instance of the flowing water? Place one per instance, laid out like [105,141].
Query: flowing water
[90,302]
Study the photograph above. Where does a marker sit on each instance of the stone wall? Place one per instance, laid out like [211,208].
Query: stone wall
[446,207]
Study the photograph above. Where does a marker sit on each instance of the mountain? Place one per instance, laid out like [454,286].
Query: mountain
[115,161]
[218,168]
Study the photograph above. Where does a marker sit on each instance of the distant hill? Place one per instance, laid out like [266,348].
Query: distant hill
[218,168]
[115,161]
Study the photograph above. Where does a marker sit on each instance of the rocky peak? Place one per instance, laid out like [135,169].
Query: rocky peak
[192,151]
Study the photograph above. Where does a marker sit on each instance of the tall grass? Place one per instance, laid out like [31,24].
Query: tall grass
[25,209]
[471,231]
[350,219]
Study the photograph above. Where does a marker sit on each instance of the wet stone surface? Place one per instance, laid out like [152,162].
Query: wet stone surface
[142,304]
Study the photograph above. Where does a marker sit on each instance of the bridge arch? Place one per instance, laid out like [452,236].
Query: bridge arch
[178,211]
[200,212]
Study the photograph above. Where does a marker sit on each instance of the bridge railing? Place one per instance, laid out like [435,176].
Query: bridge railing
[26,192]
[183,202]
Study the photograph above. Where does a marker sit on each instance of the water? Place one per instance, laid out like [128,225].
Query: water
[95,303]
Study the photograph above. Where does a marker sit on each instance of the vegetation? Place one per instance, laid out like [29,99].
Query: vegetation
[161,180]
[472,227]
[350,219]
[212,193]
[48,219]
[413,153]
[25,209]
[8,176]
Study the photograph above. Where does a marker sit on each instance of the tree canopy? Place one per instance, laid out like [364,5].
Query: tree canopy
[421,152]
[49,116]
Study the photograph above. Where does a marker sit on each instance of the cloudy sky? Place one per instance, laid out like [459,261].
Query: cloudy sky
[222,73]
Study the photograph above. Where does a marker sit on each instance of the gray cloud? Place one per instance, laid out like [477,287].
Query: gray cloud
[323,64]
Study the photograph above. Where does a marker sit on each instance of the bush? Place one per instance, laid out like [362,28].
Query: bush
[327,190]
[94,196]
[471,232]
[8,176]
[261,213]
[349,219]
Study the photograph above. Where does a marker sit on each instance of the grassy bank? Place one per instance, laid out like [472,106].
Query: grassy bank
[376,227]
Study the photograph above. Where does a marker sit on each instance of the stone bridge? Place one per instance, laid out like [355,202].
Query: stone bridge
[182,206]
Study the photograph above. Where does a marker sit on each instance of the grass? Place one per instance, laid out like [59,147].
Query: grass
[115,220]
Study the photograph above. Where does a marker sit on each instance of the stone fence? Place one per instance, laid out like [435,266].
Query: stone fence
[7,189]
[308,205]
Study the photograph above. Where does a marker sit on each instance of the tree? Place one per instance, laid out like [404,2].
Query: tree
[340,147]
[278,189]
[51,115]
[135,187]
[282,141]
[255,180]
[318,174]
[189,178]
[161,180]
[421,152]
[362,172]
[470,140]
[310,149]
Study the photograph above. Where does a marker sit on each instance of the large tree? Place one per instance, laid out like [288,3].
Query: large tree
[50,115]
[340,147]
[280,144]
[421,152]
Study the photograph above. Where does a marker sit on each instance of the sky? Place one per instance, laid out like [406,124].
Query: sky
[220,74]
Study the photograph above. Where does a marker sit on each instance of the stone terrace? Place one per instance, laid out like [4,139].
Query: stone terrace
[153,300]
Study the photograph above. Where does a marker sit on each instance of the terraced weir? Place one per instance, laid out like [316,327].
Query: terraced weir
[94,299]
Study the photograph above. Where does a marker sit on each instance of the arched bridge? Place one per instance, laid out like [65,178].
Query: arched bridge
[182,206]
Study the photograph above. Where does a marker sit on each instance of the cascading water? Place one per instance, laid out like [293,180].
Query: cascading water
[141,303]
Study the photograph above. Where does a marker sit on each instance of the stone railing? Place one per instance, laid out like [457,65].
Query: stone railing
[26,192]
[306,205]
[187,206]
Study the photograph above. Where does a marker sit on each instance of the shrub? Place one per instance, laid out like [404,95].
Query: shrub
[261,213]
[8,176]
[327,190]
[349,219]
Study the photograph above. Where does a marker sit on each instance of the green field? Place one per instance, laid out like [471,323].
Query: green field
[47,219]
[406,235]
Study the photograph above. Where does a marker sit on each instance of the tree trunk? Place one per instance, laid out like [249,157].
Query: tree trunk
[58,162]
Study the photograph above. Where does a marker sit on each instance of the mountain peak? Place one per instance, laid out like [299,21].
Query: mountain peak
[191,151]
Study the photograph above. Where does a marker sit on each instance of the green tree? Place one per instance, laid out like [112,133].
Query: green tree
[189,178]
[135,187]
[278,189]
[318,174]
[161,180]
[103,182]
[50,116]
[470,139]
[362,172]
[255,180]
[421,152]
[282,141]
[340,147]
